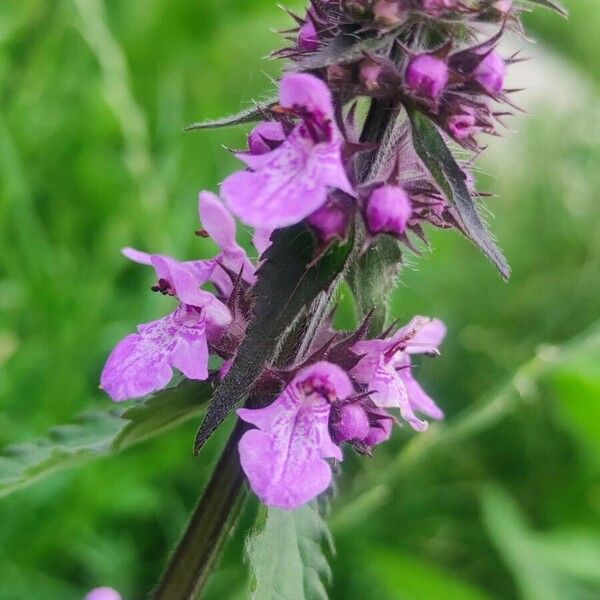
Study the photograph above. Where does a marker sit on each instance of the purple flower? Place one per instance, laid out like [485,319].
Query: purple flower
[219,224]
[290,182]
[388,210]
[143,362]
[427,75]
[490,72]
[103,593]
[284,459]
[386,369]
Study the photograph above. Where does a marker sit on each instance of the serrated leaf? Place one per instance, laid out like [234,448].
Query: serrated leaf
[438,159]
[287,284]
[372,278]
[345,48]
[100,433]
[286,555]
[552,5]
[256,113]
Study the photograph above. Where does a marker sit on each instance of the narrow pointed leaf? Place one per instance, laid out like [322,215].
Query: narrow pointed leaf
[287,284]
[438,159]
[99,433]
[256,113]
[287,555]
[552,5]
[345,48]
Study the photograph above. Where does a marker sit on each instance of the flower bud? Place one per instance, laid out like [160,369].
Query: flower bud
[352,426]
[490,72]
[357,8]
[388,13]
[435,7]
[369,74]
[308,39]
[330,221]
[337,75]
[388,210]
[463,125]
[427,75]
[503,6]
[265,137]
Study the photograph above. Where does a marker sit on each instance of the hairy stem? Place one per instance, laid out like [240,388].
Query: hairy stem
[212,520]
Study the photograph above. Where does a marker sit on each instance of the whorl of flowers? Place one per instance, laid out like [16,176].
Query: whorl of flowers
[432,59]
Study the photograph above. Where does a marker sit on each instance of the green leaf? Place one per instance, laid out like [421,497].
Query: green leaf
[286,555]
[372,279]
[288,284]
[552,5]
[100,433]
[438,159]
[258,112]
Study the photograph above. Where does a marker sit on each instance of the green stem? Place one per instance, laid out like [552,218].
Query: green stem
[211,523]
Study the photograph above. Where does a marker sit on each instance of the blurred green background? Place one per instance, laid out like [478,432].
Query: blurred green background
[501,503]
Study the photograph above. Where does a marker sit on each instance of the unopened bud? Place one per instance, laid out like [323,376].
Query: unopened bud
[330,221]
[388,210]
[435,7]
[338,75]
[490,72]
[353,424]
[369,74]
[388,13]
[503,6]
[357,8]
[464,124]
[427,75]
[308,39]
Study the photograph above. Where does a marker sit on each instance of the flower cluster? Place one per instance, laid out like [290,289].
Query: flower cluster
[325,405]
[305,162]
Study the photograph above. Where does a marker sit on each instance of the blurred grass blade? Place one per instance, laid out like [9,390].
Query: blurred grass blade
[411,578]
[287,557]
[100,433]
[544,565]
[438,159]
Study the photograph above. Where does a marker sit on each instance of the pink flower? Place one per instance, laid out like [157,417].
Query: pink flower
[284,459]
[143,362]
[386,370]
[290,182]
[427,75]
[103,593]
